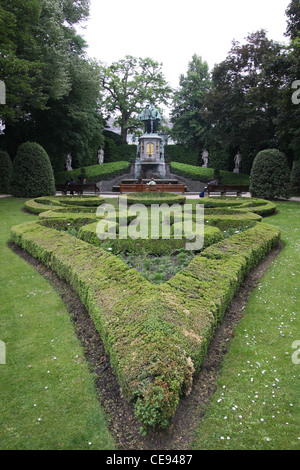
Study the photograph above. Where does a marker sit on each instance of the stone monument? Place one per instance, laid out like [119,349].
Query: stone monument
[237,162]
[69,162]
[100,156]
[150,161]
[205,158]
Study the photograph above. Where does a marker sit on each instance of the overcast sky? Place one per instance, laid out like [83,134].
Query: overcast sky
[170,32]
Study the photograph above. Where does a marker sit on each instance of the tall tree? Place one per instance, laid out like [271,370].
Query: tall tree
[127,84]
[293,14]
[60,109]
[241,108]
[288,121]
[19,72]
[187,112]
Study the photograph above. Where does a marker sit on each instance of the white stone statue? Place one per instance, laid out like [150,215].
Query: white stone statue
[69,162]
[100,156]
[205,158]
[237,162]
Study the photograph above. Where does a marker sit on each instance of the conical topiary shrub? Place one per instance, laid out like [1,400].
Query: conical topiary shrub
[5,172]
[270,175]
[32,174]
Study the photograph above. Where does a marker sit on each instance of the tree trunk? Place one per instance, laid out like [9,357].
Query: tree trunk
[123,127]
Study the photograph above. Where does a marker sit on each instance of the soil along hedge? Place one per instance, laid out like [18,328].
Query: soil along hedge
[156,336]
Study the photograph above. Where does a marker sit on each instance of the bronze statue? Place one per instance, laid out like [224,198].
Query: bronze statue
[151,118]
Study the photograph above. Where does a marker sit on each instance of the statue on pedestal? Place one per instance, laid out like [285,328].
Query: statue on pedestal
[205,158]
[145,116]
[151,118]
[69,162]
[237,162]
[155,119]
[100,156]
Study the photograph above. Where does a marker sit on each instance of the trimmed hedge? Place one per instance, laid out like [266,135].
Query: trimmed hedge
[155,198]
[207,174]
[32,173]
[181,154]
[157,247]
[241,204]
[95,173]
[156,336]
[64,204]
[270,175]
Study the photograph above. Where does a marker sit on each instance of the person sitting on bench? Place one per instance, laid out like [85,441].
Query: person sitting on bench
[213,182]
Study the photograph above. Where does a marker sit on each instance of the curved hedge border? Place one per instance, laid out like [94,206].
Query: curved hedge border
[156,336]
[155,198]
[154,247]
[241,204]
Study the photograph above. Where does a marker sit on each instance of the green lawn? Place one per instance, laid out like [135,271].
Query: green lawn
[48,399]
[256,405]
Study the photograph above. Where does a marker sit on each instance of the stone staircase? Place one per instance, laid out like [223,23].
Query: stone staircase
[110,186]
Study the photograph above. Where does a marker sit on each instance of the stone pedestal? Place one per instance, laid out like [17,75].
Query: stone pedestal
[150,157]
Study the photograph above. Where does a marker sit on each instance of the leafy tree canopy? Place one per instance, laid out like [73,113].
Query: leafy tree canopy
[187,112]
[241,107]
[52,89]
[127,85]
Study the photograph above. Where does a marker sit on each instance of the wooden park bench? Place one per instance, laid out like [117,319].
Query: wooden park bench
[77,188]
[163,188]
[227,188]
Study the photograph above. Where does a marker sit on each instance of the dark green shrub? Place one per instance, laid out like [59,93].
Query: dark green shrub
[110,150]
[5,172]
[270,175]
[180,153]
[217,175]
[82,176]
[32,174]
[295,179]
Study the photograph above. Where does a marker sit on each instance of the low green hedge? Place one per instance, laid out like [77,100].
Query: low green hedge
[155,198]
[157,247]
[61,204]
[95,173]
[156,336]
[207,174]
[258,206]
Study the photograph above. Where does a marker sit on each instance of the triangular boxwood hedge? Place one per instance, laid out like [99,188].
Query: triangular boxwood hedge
[156,336]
